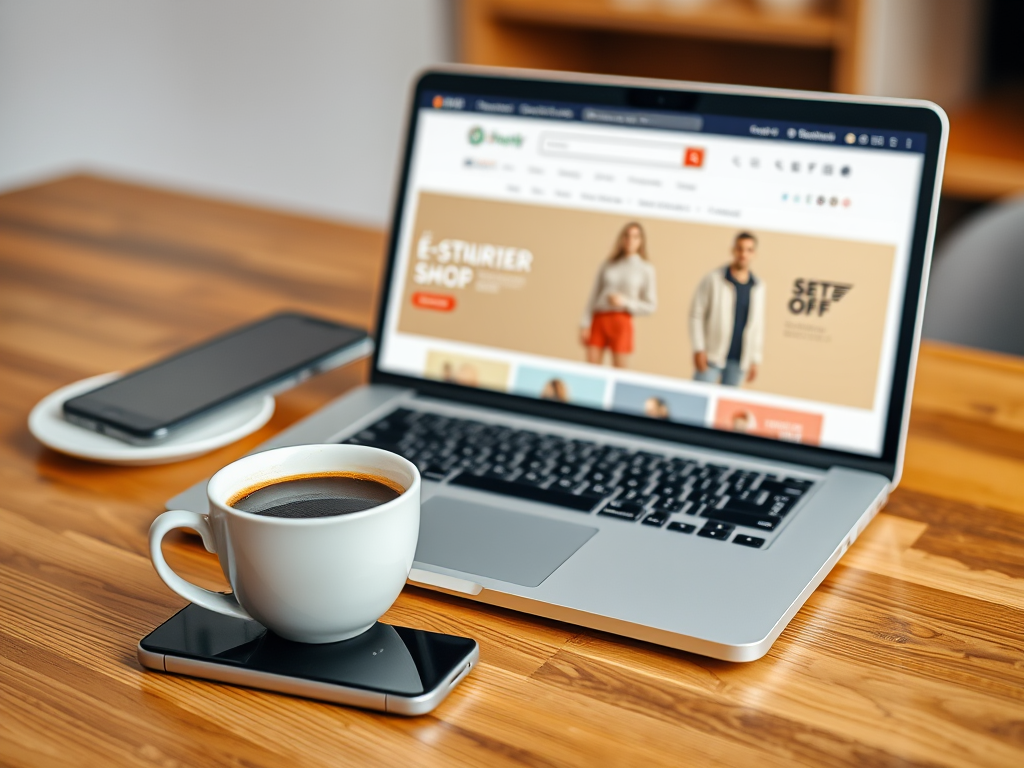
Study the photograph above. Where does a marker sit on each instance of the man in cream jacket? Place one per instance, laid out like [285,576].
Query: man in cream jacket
[727,319]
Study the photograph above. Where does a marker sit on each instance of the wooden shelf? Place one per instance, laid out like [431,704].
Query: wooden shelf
[737,20]
[733,41]
[986,147]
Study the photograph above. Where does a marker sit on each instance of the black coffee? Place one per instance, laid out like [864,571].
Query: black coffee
[318,496]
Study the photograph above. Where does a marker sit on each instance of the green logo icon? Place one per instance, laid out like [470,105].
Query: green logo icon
[476,135]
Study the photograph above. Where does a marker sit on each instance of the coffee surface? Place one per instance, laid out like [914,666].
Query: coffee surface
[317,496]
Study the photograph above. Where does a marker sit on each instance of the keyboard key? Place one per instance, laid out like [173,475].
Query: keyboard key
[714,530]
[764,522]
[732,504]
[696,509]
[600,489]
[636,497]
[626,510]
[621,514]
[757,498]
[784,488]
[682,527]
[531,478]
[656,519]
[697,496]
[669,505]
[780,505]
[525,491]
[748,541]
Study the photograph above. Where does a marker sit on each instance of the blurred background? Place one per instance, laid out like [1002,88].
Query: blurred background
[295,104]
[299,104]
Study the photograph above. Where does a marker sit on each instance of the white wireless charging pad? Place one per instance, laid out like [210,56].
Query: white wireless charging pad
[231,423]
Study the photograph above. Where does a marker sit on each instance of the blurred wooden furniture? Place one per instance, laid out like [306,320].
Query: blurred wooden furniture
[731,41]
[735,41]
[910,653]
[986,147]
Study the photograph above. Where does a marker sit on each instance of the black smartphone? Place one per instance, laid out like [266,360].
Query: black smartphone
[270,355]
[391,669]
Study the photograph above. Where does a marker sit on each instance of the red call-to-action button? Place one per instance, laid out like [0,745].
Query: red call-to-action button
[438,301]
[693,157]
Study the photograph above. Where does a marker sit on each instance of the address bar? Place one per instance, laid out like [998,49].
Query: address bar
[637,152]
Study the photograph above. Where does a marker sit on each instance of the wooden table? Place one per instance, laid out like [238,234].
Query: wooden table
[910,653]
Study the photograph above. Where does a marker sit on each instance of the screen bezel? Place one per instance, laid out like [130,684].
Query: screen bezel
[703,99]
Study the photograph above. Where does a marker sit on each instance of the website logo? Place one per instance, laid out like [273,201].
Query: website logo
[816,297]
[478,136]
[448,102]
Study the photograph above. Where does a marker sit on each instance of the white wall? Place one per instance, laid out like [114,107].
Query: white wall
[296,104]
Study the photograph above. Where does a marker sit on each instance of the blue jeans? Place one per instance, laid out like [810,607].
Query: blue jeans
[731,375]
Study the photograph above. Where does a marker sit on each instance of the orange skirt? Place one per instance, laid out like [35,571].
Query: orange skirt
[612,330]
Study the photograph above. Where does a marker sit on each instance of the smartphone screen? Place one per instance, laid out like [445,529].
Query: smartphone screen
[385,659]
[184,386]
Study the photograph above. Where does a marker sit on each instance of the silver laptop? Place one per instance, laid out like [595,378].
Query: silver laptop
[650,343]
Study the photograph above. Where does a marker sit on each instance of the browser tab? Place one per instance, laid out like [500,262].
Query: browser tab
[545,110]
[495,107]
[828,137]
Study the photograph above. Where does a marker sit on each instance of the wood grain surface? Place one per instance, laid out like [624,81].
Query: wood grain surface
[911,653]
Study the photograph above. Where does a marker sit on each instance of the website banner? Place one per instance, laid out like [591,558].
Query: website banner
[559,282]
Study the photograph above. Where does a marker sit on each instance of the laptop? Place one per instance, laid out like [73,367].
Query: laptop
[650,343]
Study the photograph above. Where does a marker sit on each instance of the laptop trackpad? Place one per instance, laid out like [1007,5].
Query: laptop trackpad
[489,541]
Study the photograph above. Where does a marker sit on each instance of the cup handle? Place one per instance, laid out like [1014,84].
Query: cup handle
[183,518]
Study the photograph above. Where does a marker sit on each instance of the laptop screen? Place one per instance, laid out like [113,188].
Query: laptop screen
[717,271]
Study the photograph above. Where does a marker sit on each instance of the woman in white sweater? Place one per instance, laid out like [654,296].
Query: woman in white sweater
[624,289]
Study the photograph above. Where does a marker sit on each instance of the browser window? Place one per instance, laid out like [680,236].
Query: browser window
[730,273]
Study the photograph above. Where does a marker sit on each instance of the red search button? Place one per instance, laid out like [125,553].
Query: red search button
[693,157]
[437,301]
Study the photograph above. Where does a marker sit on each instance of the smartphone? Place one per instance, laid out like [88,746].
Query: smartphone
[148,405]
[387,668]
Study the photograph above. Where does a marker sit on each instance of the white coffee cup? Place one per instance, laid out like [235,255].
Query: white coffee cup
[313,580]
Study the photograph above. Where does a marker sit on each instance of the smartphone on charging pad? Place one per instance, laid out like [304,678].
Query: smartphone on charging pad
[387,668]
[147,406]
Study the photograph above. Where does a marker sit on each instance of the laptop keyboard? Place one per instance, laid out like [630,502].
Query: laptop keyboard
[676,494]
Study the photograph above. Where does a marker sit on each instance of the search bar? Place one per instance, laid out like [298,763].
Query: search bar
[660,154]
